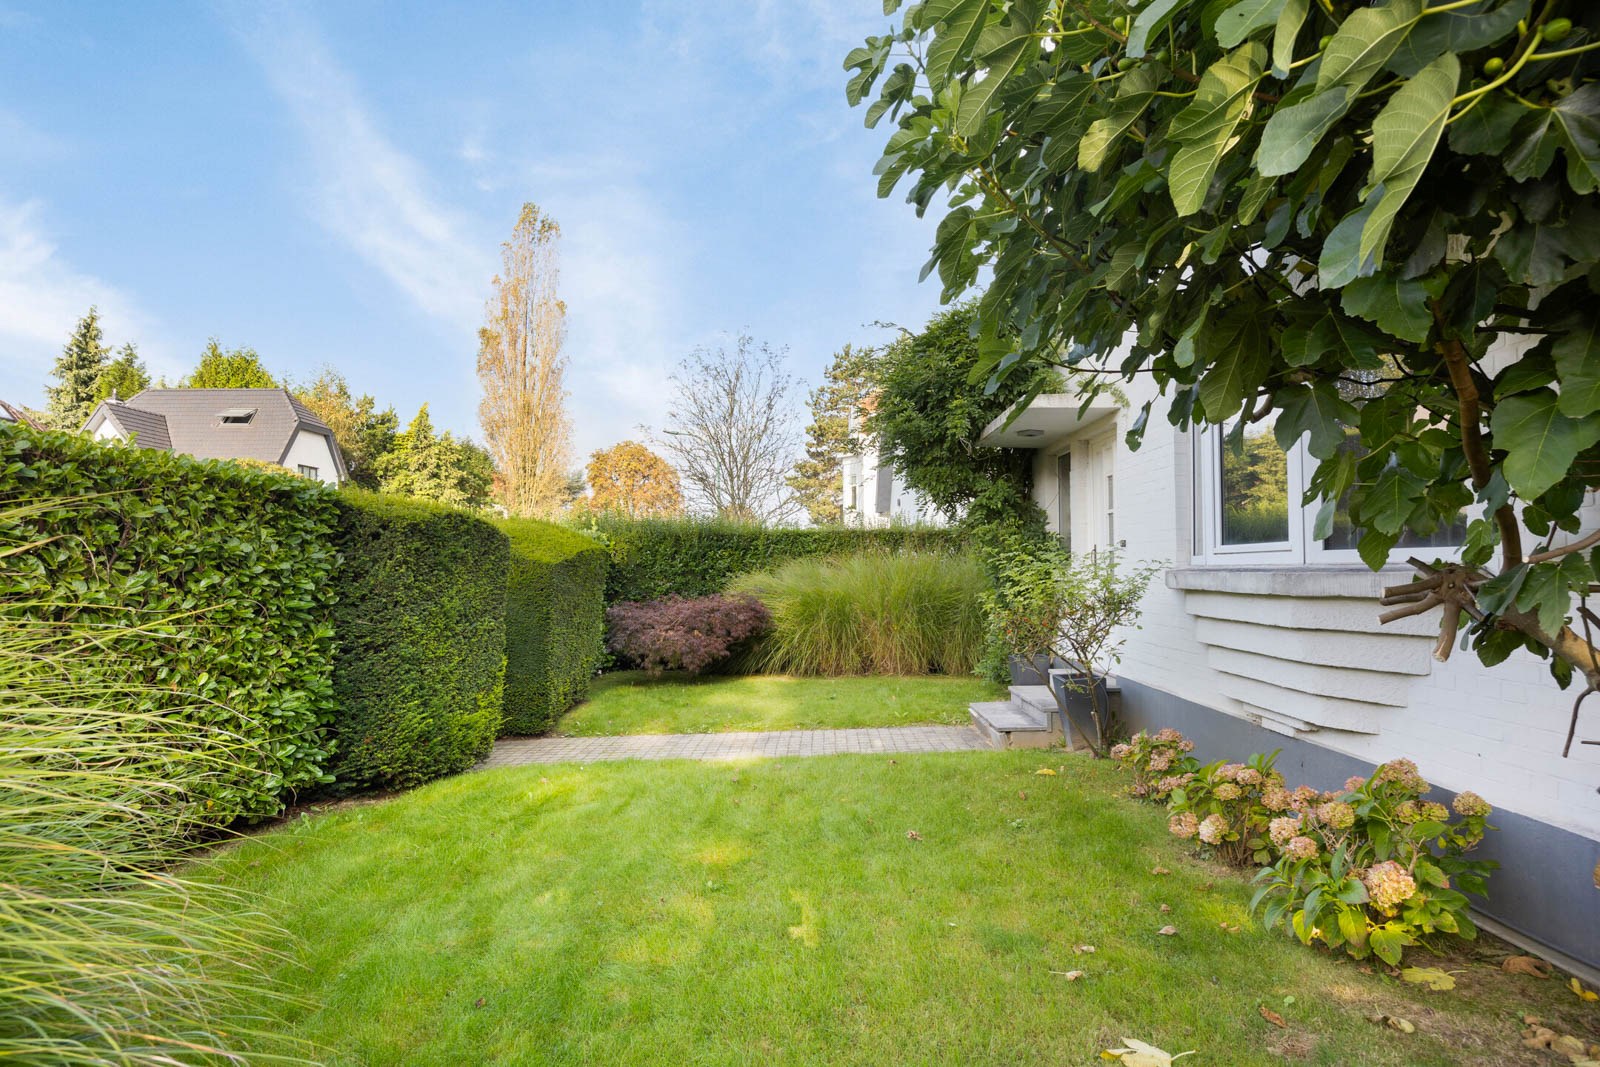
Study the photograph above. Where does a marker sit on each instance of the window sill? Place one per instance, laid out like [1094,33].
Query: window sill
[1345,580]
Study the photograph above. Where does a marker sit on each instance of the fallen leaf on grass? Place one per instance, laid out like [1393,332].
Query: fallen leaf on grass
[1531,1020]
[1071,976]
[1045,770]
[1165,908]
[1582,992]
[1393,1022]
[1271,1016]
[1081,949]
[480,1002]
[1526,965]
[1542,1037]
[1231,928]
[1139,1054]
[913,835]
[1159,870]
[1021,795]
[1168,931]
[1432,977]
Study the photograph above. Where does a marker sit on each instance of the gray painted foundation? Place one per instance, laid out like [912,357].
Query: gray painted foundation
[1544,889]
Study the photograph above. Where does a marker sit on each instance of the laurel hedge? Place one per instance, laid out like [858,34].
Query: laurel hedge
[555,622]
[210,585]
[652,558]
[421,618]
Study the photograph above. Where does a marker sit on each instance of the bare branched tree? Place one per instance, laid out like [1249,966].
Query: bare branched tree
[731,431]
[521,366]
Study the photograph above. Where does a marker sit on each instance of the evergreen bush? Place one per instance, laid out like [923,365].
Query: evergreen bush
[555,622]
[421,618]
[209,582]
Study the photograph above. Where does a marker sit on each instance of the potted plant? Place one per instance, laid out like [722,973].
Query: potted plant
[1049,605]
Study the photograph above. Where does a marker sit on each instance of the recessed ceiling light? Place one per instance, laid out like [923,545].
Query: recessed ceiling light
[1030,432]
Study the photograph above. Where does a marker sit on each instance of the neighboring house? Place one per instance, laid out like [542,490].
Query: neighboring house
[1261,637]
[13,414]
[875,495]
[262,424]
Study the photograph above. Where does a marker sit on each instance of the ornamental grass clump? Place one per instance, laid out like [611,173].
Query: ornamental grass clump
[688,634]
[872,613]
[1374,868]
[1225,806]
[1160,762]
[114,949]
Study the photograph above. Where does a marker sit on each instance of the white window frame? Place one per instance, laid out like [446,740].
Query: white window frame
[308,471]
[1301,548]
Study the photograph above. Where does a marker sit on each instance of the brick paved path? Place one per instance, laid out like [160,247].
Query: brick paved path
[518,751]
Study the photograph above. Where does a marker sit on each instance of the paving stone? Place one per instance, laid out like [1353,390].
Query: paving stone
[515,752]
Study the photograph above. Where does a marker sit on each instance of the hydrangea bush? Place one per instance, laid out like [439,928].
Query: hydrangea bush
[1160,762]
[1227,808]
[1374,868]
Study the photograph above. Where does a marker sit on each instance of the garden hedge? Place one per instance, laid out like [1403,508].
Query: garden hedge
[653,558]
[555,622]
[209,582]
[421,619]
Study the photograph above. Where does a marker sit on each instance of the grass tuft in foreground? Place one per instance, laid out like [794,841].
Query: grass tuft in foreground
[837,910]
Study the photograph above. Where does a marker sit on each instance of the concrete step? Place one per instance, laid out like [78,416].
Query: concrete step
[1010,724]
[1037,697]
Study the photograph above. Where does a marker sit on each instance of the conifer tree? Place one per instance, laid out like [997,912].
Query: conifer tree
[77,373]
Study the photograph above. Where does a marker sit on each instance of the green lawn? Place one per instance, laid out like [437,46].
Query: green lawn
[781,913]
[630,702]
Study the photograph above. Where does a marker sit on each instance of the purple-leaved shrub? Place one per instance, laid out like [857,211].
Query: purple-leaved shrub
[684,633]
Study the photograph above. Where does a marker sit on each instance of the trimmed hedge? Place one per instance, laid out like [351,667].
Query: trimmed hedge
[555,622]
[421,619]
[653,558]
[210,584]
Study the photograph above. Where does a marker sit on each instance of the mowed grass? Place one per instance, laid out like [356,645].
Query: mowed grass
[782,912]
[631,702]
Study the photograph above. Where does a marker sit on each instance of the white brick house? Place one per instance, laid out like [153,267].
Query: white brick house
[1261,637]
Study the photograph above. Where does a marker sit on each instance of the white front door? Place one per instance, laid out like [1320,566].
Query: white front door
[1099,482]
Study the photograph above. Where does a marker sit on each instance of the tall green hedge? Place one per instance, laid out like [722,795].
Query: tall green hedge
[652,558]
[555,622]
[421,618]
[211,586]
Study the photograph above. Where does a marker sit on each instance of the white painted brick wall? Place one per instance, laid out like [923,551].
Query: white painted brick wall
[1496,730]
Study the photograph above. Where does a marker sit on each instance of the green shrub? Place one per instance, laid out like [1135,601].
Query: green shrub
[211,582]
[555,622]
[653,558]
[421,619]
[107,954]
[871,613]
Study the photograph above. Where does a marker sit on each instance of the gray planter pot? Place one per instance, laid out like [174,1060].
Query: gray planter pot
[1030,672]
[1080,705]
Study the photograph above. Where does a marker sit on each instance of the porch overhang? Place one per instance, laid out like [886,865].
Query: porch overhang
[1046,420]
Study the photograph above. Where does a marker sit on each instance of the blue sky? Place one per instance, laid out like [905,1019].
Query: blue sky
[330,184]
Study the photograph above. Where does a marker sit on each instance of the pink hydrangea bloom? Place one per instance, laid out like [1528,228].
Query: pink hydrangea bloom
[1470,803]
[1336,815]
[1281,829]
[1212,827]
[1184,824]
[1388,884]
[1300,848]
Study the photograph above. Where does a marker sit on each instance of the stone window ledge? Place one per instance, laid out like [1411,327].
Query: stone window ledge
[1352,580]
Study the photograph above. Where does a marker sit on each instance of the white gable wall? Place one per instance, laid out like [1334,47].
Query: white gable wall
[1497,731]
[311,450]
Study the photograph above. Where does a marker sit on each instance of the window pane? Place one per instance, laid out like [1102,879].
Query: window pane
[1255,488]
[1344,535]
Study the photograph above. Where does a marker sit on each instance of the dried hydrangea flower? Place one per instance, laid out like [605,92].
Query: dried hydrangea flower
[1354,782]
[1229,791]
[1228,772]
[1176,781]
[1435,811]
[1403,773]
[1120,752]
[1281,829]
[1161,761]
[1304,798]
[1168,734]
[1388,884]
[1408,812]
[1186,745]
[1212,827]
[1184,824]
[1300,848]
[1470,803]
[1249,776]
[1336,815]
[1276,799]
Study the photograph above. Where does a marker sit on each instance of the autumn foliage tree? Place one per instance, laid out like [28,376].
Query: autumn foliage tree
[1374,224]
[629,479]
[521,368]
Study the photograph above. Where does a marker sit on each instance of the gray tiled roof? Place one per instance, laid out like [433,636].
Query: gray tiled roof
[189,419]
[148,429]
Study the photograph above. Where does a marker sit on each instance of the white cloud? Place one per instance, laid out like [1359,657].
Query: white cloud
[42,296]
[367,193]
